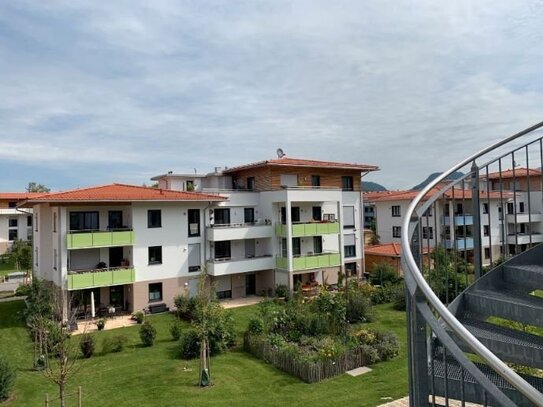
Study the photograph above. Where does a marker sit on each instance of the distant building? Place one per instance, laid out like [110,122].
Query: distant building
[15,224]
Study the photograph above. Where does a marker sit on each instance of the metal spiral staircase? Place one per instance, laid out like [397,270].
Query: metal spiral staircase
[482,344]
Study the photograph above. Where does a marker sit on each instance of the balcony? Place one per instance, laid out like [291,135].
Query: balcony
[239,231]
[228,266]
[308,229]
[459,220]
[78,280]
[94,238]
[461,243]
[310,261]
[524,218]
[524,238]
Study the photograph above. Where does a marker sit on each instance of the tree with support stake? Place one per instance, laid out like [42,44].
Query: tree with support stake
[204,326]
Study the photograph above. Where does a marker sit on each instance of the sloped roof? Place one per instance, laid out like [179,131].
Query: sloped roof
[388,249]
[409,195]
[19,196]
[518,173]
[121,193]
[298,162]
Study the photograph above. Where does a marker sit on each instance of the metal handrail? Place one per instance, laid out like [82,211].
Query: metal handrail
[456,326]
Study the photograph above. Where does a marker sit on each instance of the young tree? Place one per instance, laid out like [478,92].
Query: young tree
[20,254]
[35,187]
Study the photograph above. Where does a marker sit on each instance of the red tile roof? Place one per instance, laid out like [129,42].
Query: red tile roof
[519,173]
[122,193]
[409,195]
[297,162]
[18,196]
[387,249]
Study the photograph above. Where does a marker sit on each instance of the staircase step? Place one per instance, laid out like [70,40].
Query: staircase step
[528,274]
[508,303]
[472,391]
[508,344]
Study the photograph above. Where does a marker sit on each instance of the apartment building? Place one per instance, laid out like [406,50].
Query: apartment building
[128,247]
[15,224]
[284,221]
[451,218]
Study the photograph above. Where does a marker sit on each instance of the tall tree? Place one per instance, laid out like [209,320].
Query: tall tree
[35,187]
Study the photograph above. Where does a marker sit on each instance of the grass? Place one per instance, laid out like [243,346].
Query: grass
[156,376]
[6,268]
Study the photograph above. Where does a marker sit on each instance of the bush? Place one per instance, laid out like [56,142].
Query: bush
[186,307]
[175,331]
[87,345]
[189,344]
[256,326]
[7,378]
[147,334]
[281,291]
[387,345]
[23,290]
[114,344]
[101,324]
[139,317]
[399,298]
[384,294]
[383,273]
[359,308]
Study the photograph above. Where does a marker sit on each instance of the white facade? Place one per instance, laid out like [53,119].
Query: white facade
[14,224]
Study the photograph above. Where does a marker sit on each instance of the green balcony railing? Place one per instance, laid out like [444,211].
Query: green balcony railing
[310,261]
[100,278]
[85,240]
[308,229]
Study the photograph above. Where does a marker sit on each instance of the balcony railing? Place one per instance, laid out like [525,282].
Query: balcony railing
[310,261]
[80,279]
[226,266]
[308,229]
[459,220]
[238,231]
[84,239]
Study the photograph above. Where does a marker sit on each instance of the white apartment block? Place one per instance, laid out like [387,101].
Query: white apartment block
[15,223]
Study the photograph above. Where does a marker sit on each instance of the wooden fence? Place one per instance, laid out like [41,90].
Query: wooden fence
[77,393]
[308,371]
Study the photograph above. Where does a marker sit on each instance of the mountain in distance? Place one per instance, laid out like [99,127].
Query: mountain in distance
[368,186]
[431,177]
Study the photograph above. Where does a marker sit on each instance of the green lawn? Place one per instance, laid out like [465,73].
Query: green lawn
[157,377]
[6,268]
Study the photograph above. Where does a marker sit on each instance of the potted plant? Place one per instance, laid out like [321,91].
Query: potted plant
[101,324]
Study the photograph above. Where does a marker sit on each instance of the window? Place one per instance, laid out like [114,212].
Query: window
[29,221]
[350,269]
[189,185]
[427,232]
[317,213]
[396,231]
[222,216]
[427,213]
[315,180]
[487,252]
[396,212]
[154,218]
[36,256]
[347,183]
[249,215]
[459,209]
[486,230]
[194,257]
[350,250]
[222,249]
[84,221]
[12,204]
[36,219]
[294,214]
[155,255]
[283,247]
[317,244]
[485,208]
[155,292]
[115,219]
[194,222]
[55,259]
[296,246]
[251,183]
[54,222]
[13,223]
[521,207]
[510,207]
[348,217]
[12,234]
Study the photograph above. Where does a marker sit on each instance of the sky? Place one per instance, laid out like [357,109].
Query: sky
[119,91]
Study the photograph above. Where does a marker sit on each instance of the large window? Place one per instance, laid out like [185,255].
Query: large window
[115,219]
[12,204]
[317,244]
[396,212]
[486,230]
[350,250]
[294,214]
[194,222]
[317,213]
[84,221]
[194,257]
[348,217]
[396,231]
[222,249]
[155,255]
[251,183]
[249,215]
[284,247]
[222,216]
[154,218]
[315,181]
[347,183]
[427,232]
[350,269]
[29,221]
[296,246]
[12,234]
[155,292]
[13,223]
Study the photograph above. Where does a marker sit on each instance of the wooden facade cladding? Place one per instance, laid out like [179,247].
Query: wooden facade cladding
[269,177]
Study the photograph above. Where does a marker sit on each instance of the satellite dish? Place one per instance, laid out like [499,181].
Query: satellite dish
[280,153]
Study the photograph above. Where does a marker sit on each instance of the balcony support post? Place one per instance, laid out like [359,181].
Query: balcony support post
[290,261]
[477,250]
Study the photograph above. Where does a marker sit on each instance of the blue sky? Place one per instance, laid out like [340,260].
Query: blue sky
[99,92]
